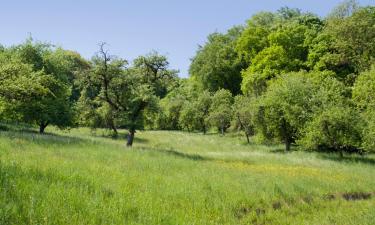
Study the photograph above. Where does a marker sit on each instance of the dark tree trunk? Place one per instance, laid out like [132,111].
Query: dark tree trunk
[287,144]
[42,127]
[114,129]
[204,129]
[130,138]
[247,137]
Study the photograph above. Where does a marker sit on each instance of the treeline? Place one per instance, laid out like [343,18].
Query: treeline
[45,85]
[287,76]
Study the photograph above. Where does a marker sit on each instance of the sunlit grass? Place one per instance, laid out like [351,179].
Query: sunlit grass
[80,177]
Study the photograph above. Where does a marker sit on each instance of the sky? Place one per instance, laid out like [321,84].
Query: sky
[136,27]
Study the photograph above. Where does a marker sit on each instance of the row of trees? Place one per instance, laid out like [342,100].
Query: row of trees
[44,85]
[288,76]
[296,78]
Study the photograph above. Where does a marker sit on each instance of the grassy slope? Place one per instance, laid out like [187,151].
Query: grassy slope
[175,178]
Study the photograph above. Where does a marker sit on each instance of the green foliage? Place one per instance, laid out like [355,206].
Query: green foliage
[216,64]
[364,90]
[335,128]
[194,115]
[282,48]
[245,114]
[346,45]
[128,92]
[364,99]
[33,92]
[286,107]
[220,113]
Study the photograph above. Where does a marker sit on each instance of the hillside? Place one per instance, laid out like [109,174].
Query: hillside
[80,177]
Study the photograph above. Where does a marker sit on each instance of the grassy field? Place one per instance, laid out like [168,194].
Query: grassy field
[79,177]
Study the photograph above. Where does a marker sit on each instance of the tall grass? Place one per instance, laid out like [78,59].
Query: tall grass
[80,177]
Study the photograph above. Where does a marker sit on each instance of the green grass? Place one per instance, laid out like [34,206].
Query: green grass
[78,177]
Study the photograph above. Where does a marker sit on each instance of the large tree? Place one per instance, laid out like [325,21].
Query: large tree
[346,44]
[128,91]
[216,65]
[54,107]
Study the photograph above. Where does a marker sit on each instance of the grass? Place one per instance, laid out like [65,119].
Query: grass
[79,177]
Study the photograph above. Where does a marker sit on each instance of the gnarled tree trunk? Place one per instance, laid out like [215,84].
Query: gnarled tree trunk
[130,137]
[42,126]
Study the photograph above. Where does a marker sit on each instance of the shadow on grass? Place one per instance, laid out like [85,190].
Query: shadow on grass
[365,159]
[194,157]
[123,136]
[178,154]
[30,135]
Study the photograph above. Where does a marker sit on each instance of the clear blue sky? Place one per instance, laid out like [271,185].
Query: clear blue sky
[132,28]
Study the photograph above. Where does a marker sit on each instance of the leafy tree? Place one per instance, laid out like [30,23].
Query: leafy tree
[203,105]
[286,107]
[194,115]
[220,113]
[54,106]
[190,117]
[364,98]
[245,113]
[336,128]
[128,91]
[346,44]
[283,48]
[216,64]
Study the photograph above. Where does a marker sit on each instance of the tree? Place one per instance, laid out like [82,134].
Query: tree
[283,48]
[364,99]
[336,128]
[52,107]
[346,45]
[220,112]
[286,107]
[245,113]
[203,105]
[128,91]
[194,114]
[217,65]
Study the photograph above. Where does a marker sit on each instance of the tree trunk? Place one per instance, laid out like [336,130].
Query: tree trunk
[130,138]
[42,127]
[114,129]
[287,144]
[222,129]
[204,129]
[247,137]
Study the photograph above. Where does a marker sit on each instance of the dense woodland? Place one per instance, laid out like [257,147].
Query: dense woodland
[287,76]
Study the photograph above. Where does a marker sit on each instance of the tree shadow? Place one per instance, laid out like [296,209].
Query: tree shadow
[47,138]
[123,136]
[178,154]
[364,159]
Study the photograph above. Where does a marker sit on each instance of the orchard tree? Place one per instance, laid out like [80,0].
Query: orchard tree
[364,99]
[220,113]
[286,107]
[336,128]
[54,107]
[194,114]
[245,113]
[128,91]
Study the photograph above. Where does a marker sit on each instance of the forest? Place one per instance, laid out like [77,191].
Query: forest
[288,81]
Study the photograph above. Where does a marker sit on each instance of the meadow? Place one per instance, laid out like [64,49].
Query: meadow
[170,177]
